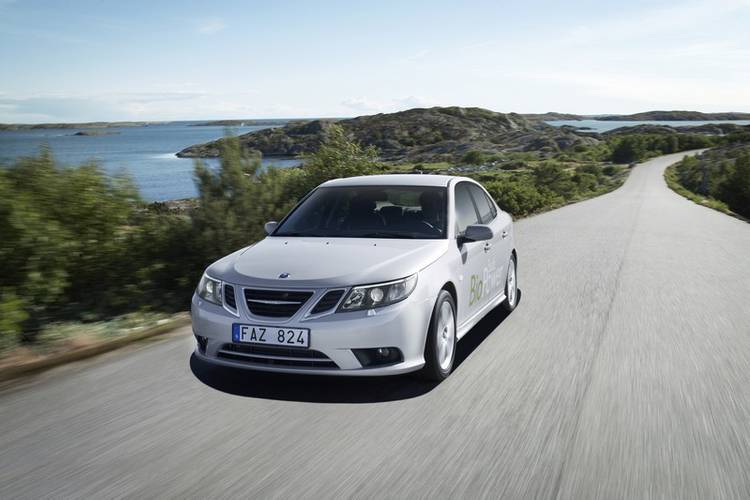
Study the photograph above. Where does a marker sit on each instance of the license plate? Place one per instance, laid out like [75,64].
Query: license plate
[271,335]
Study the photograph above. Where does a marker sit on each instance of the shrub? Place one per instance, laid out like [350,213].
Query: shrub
[519,197]
[473,158]
[609,170]
[736,189]
[722,175]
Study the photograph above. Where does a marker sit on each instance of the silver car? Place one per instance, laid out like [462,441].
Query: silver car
[375,275]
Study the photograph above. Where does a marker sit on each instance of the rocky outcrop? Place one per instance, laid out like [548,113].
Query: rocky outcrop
[414,135]
[707,129]
[94,132]
[674,116]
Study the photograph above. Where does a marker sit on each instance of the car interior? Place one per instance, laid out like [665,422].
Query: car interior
[403,211]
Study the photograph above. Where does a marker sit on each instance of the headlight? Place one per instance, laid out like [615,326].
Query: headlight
[378,295]
[210,289]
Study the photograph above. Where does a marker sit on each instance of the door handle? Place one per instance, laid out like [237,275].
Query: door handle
[505,234]
[487,246]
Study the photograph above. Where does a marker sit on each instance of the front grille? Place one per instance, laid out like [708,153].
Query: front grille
[229,298]
[328,301]
[275,303]
[276,356]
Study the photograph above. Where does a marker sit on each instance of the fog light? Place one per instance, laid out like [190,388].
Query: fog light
[378,356]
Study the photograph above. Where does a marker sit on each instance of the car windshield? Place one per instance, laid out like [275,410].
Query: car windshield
[415,212]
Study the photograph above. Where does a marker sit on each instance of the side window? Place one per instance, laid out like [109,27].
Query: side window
[483,204]
[466,214]
[492,205]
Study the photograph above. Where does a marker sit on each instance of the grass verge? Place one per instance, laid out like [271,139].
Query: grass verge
[670,176]
[77,341]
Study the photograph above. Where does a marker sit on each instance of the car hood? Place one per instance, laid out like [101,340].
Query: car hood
[326,262]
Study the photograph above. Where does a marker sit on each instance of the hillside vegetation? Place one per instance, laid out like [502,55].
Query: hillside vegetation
[719,178]
[475,136]
[434,134]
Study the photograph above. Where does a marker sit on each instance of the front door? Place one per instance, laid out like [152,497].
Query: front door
[473,256]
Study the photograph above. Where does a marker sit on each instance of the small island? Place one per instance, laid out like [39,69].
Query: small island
[242,123]
[94,133]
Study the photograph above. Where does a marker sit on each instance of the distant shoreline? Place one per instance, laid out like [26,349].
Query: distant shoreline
[676,115]
[85,125]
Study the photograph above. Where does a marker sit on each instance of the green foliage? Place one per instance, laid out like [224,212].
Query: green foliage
[473,158]
[548,185]
[720,175]
[637,147]
[337,157]
[234,202]
[65,234]
[553,177]
[519,197]
[609,170]
[12,317]
[79,245]
[736,189]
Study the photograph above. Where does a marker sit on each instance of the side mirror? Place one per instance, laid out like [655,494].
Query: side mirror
[270,226]
[476,232]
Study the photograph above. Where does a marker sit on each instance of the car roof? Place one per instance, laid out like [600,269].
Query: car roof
[396,180]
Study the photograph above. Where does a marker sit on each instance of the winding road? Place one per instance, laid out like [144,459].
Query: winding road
[623,373]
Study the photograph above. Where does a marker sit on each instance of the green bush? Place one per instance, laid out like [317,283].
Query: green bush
[723,175]
[636,147]
[519,197]
[609,170]
[79,245]
[736,189]
[12,317]
[473,158]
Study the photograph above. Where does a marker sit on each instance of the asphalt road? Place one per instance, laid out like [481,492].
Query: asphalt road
[623,373]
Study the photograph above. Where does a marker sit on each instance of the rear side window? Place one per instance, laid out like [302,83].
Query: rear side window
[485,207]
[466,214]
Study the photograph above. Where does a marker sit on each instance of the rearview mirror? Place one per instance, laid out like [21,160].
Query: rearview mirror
[477,232]
[270,226]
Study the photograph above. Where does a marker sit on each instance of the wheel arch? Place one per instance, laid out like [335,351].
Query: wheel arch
[451,289]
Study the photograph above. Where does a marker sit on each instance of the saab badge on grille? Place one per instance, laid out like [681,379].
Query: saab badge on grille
[284,275]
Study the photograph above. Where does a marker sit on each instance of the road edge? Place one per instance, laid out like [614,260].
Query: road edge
[670,177]
[53,360]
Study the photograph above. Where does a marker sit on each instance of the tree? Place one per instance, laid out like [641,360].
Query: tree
[628,149]
[473,158]
[337,157]
[737,186]
[553,177]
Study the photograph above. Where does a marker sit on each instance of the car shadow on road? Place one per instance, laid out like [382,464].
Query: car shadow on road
[323,389]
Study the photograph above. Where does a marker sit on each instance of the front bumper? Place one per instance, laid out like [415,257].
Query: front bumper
[402,325]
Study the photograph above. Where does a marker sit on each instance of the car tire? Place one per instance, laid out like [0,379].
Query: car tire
[511,286]
[440,346]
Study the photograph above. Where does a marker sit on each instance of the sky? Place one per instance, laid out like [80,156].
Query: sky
[135,60]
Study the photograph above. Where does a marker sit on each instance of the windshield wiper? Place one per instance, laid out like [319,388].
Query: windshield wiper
[386,234]
[293,233]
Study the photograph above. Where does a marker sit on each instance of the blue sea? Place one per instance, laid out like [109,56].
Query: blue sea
[604,125]
[146,153]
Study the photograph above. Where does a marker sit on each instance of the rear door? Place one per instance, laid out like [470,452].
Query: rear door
[497,250]
[473,256]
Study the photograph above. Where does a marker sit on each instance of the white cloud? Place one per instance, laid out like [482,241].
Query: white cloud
[416,56]
[653,91]
[367,105]
[655,21]
[211,26]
